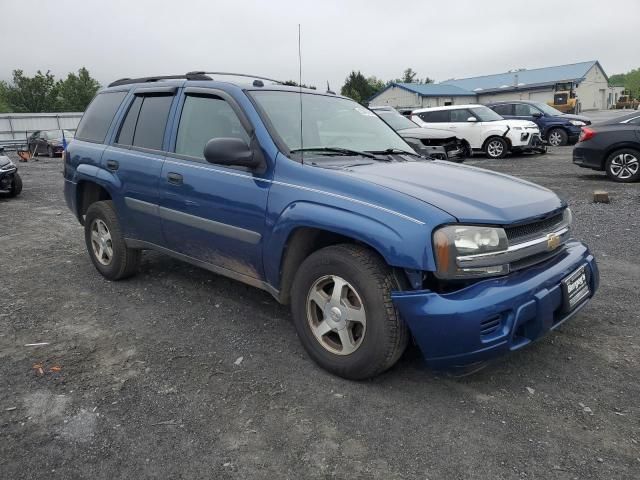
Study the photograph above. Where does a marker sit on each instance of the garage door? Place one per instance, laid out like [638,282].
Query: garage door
[544,96]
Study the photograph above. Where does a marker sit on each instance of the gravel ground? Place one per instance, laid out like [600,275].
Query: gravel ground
[179,373]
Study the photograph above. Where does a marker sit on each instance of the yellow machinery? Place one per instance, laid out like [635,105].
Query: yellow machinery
[564,98]
[626,100]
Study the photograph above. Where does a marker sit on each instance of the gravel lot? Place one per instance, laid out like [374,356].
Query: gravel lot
[179,373]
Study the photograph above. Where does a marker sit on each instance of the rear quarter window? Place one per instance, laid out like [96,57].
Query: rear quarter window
[97,119]
[436,116]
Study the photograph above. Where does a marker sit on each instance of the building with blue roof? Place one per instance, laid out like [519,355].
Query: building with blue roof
[538,84]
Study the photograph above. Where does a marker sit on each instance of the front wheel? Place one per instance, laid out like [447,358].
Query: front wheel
[105,243]
[623,165]
[557,137]
[343,313]
[16,186]
[496,147]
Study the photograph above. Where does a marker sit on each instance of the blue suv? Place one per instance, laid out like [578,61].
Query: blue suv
[556,128]
[316,200]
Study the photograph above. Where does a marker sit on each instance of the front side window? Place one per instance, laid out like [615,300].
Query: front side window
[204,118]
[485,114]
[327,122]
[461,115]
[97,119]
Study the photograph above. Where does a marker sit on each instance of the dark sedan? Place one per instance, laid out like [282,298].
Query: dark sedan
[612,146]
[48,142]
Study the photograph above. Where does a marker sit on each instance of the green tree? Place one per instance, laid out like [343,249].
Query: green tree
[30,94]
[76,91]
[360,88]
[630,81]
[409,76]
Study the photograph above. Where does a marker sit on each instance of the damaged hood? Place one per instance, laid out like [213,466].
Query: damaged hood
[470,194]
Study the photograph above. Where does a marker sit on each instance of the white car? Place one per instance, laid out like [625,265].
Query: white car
[482,129]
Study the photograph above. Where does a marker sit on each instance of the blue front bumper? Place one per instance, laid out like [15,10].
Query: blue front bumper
[493,316]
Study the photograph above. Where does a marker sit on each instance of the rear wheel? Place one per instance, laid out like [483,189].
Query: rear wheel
[496,147]
[343,314]
[623,165]
[16,185]
[105,243]
[557,137]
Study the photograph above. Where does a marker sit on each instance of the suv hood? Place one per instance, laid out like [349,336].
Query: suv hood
[470,194]
[4,160]
[513,123]
[426,132]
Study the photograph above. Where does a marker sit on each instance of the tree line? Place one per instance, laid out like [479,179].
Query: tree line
[630,81]
[361,88]
[43,93]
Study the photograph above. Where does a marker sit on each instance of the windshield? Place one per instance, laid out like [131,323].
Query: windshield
[485,114]
[396,120]
[328,121]
[547,109]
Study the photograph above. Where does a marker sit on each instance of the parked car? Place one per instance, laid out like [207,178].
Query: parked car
[556,128]
[48,142]
[367,241]
[612,146]
[482,129]
[10,181]
[436,143]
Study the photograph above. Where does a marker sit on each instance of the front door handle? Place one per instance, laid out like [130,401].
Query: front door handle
[174,178]
[112,165]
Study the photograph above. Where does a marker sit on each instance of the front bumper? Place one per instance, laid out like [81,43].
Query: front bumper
[6,177]
[495,316]
[527,140]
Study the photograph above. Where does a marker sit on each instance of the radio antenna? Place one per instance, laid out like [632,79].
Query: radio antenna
[300,93]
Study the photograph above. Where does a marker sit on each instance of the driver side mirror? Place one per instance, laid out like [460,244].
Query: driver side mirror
[538,114]
[230,152]
[472,119]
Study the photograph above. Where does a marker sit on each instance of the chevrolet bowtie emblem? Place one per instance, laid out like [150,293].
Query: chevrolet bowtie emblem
[553,241]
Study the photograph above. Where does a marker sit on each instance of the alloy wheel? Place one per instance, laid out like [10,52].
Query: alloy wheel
[336,315]
[101,242]
[495,148]
[624,166]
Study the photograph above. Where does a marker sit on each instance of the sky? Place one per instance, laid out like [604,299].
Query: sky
[440,39]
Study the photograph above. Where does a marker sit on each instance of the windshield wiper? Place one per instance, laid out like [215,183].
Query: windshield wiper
[397,151]
[339,151]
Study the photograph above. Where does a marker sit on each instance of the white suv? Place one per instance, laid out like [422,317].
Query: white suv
[482,129]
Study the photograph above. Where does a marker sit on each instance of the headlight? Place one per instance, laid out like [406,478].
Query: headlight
[516,128]
[577,123]
[7,166]
[456,240]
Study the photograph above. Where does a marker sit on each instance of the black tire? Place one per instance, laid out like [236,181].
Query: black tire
[50,153]
[558,136]
[623,165]
[16,186]
[386,336]
[496,147]
[124,261]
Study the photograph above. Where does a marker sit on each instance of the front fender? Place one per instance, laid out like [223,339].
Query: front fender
[403,245]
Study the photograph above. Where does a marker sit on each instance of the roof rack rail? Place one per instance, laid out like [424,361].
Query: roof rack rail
[198,75]
[229,74]
[187,76]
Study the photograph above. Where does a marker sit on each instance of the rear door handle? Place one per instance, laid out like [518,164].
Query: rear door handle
[112,165]
[174,178]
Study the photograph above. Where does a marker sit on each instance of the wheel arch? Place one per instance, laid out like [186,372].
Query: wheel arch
[89,191]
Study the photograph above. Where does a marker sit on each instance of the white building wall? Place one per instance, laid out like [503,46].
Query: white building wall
[593,91]
[533,95]
[401,98]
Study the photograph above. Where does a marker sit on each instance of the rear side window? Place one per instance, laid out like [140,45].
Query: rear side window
[152,120]
[202,119]
[524,110]
[437,116]
[125,136]
[96,120]
[505,109]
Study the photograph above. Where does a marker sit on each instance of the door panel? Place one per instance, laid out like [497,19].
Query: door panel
[212,213]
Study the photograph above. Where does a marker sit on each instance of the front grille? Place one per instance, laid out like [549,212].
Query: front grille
[534,229]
